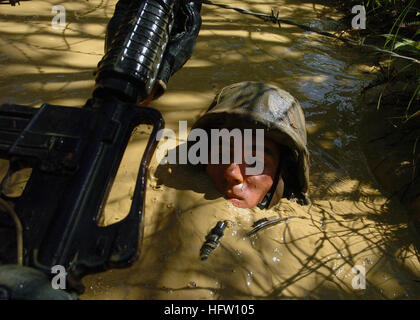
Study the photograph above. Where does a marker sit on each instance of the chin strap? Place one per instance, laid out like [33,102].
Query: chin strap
[269,195]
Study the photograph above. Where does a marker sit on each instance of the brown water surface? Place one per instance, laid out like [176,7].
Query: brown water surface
[350,222]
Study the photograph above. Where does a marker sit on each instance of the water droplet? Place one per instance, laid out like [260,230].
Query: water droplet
[233,270]
[192,284]
[170,291]
[248,283]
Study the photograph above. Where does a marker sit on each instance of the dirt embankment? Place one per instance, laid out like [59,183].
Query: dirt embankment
[388,135]
[390,143]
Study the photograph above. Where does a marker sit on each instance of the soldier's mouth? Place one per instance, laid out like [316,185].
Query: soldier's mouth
[233,197]
[237,202]
[236,199]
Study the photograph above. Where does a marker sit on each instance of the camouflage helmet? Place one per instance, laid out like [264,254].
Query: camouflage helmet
[256,105]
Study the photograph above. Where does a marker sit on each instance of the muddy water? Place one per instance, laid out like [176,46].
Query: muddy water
[310,255]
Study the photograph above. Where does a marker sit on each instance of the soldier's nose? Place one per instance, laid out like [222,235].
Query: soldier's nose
[233,174]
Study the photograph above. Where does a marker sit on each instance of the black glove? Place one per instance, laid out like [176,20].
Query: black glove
[181,43]
[121,9]
[182,40]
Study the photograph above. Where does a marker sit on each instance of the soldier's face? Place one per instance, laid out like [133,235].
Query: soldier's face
[242,190]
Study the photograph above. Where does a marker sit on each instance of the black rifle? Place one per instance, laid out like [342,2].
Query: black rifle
[75,153]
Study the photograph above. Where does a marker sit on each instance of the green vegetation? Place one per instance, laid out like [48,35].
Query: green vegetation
[395,25]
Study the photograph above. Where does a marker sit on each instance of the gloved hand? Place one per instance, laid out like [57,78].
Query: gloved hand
[180,46]
[181,43]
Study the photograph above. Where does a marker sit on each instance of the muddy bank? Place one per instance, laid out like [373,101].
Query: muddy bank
[350,223]
[388,135]
[390,143]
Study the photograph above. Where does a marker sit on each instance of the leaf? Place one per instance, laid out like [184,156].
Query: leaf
[379,101]
[415,114]
[406,42]
[403,44]
[413,97]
